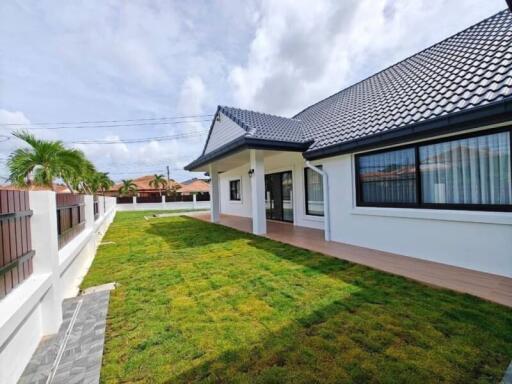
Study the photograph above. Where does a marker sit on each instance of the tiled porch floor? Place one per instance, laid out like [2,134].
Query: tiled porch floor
[487,286]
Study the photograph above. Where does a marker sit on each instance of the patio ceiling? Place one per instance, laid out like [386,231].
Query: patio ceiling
[234,160]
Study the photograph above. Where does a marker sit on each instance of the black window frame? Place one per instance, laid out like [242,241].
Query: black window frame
[306,192]
[239,183]
[419,203]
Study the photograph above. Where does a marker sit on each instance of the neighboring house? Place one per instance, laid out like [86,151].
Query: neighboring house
[144,188]
[198,187]
[413,160]
[194,179]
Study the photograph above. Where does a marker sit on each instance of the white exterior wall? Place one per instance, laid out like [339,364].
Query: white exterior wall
[469,239]
[223,132]
[277,163]
[34,308]
[237,208]
[476,240]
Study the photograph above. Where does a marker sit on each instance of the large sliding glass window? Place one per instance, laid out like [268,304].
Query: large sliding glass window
[388,178]
[470,172]
[474,170]
[314,192]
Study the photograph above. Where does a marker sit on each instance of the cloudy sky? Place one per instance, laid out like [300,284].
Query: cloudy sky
[103,60]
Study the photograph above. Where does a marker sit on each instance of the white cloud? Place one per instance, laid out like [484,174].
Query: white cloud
[7,142]
[107,60]
[191,101]
[303,51]
[146,158]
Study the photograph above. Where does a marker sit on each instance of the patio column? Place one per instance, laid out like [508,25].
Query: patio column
[214,195]
[259,220]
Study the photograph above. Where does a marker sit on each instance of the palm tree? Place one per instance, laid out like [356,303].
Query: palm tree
[43,162]
[104,182]
[82,177]
[158,182]
[128,188]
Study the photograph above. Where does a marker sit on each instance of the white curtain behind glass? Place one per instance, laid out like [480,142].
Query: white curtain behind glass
[388,177]
[467,171]
[315,192]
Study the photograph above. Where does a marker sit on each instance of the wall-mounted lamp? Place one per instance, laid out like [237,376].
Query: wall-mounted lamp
[217,118]
[251,171]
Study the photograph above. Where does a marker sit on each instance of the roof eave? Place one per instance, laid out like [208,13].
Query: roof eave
[493,113]
[245,142]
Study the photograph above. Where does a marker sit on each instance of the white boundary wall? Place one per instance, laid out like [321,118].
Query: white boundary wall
[34,308]
[163,206]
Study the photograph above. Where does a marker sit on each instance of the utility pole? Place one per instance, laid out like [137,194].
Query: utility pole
[168,175]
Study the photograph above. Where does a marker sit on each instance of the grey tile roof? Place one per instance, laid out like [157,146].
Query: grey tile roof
[264,126]
[469,70]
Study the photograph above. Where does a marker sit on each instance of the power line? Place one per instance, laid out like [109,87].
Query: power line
[141,140]
[133,173]
[110,121]
[117,125]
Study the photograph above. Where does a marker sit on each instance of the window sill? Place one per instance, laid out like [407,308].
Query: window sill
[235,201]
[314,218]
[504,218]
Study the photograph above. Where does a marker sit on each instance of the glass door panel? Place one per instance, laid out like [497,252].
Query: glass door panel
[279,196]
[287,196]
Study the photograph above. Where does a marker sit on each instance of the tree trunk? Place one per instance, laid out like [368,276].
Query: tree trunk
[68,186]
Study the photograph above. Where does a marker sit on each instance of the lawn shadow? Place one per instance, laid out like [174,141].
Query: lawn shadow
[184,232]
[387,329]
[191,232]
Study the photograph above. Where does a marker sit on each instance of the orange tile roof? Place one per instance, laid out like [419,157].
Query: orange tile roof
[195,186]
[142,184]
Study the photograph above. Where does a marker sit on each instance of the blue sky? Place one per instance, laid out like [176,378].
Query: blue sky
[90,60]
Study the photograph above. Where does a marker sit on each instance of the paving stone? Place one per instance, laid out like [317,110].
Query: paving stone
[82,355]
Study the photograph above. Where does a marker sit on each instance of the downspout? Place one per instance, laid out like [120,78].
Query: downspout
[325,185]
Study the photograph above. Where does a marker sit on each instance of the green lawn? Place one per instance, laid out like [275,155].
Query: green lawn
[198,302]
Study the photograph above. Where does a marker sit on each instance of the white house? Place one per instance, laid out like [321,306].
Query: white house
[413,160]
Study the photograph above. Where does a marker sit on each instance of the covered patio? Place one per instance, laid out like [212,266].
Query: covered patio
[487,286]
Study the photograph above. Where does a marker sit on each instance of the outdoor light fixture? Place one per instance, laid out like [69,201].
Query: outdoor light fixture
[251,171]
[217,118]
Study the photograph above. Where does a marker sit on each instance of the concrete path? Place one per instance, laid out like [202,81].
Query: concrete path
[74,354]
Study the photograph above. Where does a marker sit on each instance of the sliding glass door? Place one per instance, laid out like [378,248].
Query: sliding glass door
[279,196]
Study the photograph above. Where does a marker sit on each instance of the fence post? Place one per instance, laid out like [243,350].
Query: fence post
[163,199]
[89,211]
[101,205]
[194,201]
[134,200]
[43,226]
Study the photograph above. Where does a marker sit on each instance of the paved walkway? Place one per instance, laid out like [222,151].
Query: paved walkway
[485,285]
[74,354]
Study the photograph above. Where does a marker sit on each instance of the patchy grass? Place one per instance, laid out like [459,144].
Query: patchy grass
[198,302]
